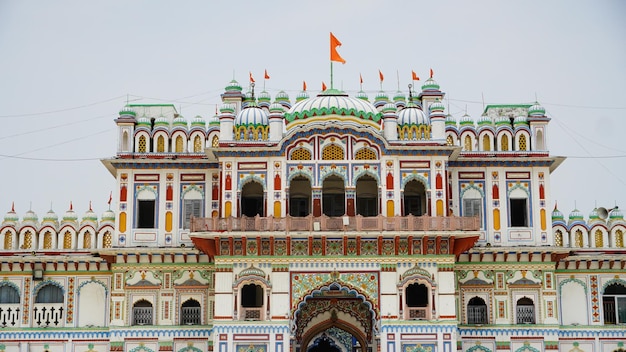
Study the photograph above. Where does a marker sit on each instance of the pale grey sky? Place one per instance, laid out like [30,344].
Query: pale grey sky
[67,67]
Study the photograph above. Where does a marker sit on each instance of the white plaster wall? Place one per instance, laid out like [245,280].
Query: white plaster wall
[573,304]
[92,305]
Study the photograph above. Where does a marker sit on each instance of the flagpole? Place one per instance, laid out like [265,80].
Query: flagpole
[331,75]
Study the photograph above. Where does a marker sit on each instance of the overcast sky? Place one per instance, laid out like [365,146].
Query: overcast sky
[68,67]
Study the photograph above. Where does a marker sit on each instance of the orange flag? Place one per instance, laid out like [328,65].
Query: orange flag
[415,77]
[323,86]
[360,78]
[380,75]
[266,75]
[334,55]
[431,73]
[304,85]
[251,78]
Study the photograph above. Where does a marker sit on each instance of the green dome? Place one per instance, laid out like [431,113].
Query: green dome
[233,86]
[430,84]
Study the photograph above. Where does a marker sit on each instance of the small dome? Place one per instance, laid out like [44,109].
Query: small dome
[50,216]
[11,217]
[252,271]
[143,121]
[179,121]
[127,112]
[161,121]
[302,95]
[198,122]
[616,214]
[594,216]
[108,216]
[381,96]
[30,216]
[362,95]
[466,120]
[430,84]
[437,106]
[389,107]
[520,121]
[484,120]
[399,96]
[233,86]
[227,108]
[282,96]
[70,215]
[412,115]
[90,216]
[503,121]
[264,99]
[450,120]
[556,214]
[536,110]
[576,215]
[252,116]
[276,107]
[333,102]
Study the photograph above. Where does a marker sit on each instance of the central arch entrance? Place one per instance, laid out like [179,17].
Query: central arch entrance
[334,318]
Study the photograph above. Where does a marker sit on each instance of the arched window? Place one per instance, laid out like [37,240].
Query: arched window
[486,143]
[190,312]
[522,142]
[192,207]
[416,298]
[301,154]
[107,240]
[477,311]
[197,144]
[525,311]
[414,202]
[49,294]
[578,238]
[47,240]
[558,238]
[146,210]
[142,313]
[8,240]
[367,196]
[251,302]
[87,240]
[450,140]
[599,239]
[125,141]
[332,152]
[300,196]
[67,240]
[160,144]
[467,143]
[9,295]
[333,196]
[365,154]
[619,238]
[614,304]
[504,143]
[252,199]
[179,144]
[215,142]
[141,148]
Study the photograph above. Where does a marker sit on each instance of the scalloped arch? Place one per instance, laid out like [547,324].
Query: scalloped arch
[527,348]
[190,349]
[342,287]
[518,186]
[478,348]
[193,187]
[416,177]
[45,283]
[473,186]
[365,172]
[141,349]
[11,284]
[251,178]
[578,281]
[93,281]
[611,282]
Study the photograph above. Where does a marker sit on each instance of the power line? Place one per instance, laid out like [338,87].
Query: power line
[62,110]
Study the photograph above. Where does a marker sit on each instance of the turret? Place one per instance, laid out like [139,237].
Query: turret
[126,128]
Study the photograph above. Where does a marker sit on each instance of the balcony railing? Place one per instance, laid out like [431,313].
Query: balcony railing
[9,315]
[417,313]
[344,223]
[251,314]
[48,314]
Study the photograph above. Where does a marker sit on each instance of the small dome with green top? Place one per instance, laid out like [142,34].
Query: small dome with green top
[127,112]
[430,84]
[556,214]
[108,216]
[161,121]
[11,217]
[389,107]
[362,95]
[30,216]
[144,121]
[198,122]
[536,110]
[50,217]
[227,108]
[233,86]
[466,120]
[180,122]
[437,106]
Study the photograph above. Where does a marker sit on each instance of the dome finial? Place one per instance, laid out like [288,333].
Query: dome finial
[410,92]
[252,93]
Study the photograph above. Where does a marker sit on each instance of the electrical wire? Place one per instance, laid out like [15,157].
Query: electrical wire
[61,110]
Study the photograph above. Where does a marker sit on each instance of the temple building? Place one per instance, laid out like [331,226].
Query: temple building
[320,222]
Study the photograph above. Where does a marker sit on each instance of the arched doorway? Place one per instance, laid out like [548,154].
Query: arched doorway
[252,202]
[333,196]
[299,196]
[414,202]
[367,196]
[334,318]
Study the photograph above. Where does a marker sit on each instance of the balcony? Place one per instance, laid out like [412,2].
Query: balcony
[251,314]
[417,313]
[344,223]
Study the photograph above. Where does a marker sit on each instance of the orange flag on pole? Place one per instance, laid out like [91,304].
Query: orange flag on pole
[360,78]
[323,86]
[414,76]
[380,75]
[431,73]
[251,78]
[304,85]
[334,55]
[266,75]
